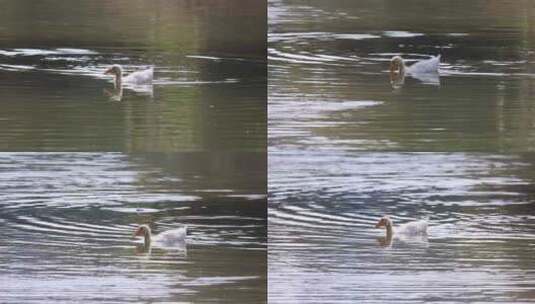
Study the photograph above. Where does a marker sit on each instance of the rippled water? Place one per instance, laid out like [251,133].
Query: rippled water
[329,85]
[209,90]
[68,220]
[323,247]
[342,142]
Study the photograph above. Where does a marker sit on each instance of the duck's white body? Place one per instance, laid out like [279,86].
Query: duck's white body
[173,237]
[140,77]
[412,228]
[427,66]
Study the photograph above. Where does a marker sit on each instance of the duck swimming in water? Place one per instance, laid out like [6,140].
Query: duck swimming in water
[410,228]
[411,231]
[170,238]
[427,66]
[426,70]
[137,78]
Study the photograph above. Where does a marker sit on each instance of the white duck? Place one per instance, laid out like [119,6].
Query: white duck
[427,66]
[136,78]
[425,70]
[170,238]
[416,228]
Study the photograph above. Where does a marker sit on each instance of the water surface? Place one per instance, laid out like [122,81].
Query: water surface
[68,220]
[342,142]
[209,90]
[329,85]
[324,247]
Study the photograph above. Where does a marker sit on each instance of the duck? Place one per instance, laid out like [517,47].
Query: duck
[143,77]
[170,238]
[425,71]
[415,228]
[427,66]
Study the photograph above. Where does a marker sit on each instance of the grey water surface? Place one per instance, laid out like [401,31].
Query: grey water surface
[346,147]
[329,85]
[67,222]
[324,247]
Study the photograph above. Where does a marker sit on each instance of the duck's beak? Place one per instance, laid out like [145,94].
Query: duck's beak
[108,71]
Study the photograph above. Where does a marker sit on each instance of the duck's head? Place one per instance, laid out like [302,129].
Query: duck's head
[396,65]
[114,70]
[143,230]
[385,221]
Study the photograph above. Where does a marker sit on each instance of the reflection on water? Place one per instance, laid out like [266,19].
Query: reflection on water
[197,104]
[326,53]
[211,27]
[67,222]
[324,247]
[209,78]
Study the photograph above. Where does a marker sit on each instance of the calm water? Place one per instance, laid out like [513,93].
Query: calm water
[209,90]
[340,138]
[68,219]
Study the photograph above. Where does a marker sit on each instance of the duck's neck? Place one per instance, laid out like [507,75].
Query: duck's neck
[389,230]
[118,80]
[147,238]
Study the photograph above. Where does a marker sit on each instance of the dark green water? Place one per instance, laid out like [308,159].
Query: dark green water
[209,90]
